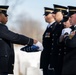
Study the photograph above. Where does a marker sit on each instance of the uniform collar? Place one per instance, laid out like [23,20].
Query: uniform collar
[50,24]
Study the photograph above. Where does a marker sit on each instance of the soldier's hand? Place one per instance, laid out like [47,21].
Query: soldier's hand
[35,41]
[39,44]
[72,34]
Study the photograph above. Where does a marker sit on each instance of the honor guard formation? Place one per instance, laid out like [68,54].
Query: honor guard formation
[59,41]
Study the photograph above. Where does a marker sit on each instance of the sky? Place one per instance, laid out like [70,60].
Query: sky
[35,8]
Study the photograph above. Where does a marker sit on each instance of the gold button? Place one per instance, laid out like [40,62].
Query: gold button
[59,49]
[52,44]
[53,34]
[50,53]
[59,54]
[51,48]
[50,26]
[64,52]
[64,47]
[5,55]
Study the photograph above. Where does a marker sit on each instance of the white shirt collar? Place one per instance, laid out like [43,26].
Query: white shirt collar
[52,22]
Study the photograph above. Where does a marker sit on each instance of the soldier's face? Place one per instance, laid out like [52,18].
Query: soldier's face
[73,19]
[4,19]
[58,16]
[49,18]
[67,24]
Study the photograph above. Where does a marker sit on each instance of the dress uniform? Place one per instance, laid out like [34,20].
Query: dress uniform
[44,60]
[7,39]
[51,55]
[62,48]
[66,30]
[69,65]
[56,59]
[51,52]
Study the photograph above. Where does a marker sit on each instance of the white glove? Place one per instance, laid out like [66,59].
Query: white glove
[66,30]
[39,45]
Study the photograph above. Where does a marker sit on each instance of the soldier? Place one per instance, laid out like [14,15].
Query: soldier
[47,40]
[69,65]
[7,39]
[51,57]
[59,13]
[56,51]
[67,28]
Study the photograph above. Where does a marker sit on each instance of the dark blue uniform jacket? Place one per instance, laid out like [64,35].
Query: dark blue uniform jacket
[7,39]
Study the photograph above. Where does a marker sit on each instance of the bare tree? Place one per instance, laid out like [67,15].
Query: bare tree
[30,27]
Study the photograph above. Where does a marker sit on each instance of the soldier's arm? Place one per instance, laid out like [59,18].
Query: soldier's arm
[15,37]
